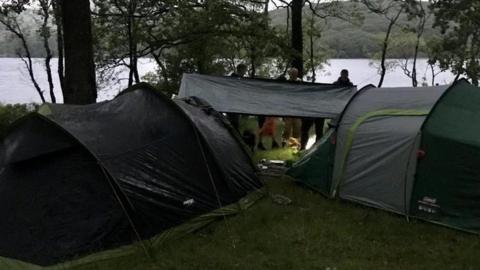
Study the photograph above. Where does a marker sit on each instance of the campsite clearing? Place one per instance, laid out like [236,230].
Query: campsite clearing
[313,233]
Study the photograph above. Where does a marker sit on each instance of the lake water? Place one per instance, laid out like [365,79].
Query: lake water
[16,87]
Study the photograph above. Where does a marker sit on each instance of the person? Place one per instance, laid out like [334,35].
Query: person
[234,118]
[262,118]
[307,123]
[268,129]
[267,125]
[292,125]
[343,80]
[240,72]
[293,75]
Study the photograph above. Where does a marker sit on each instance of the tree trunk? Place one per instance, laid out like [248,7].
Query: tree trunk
[45,34]
[79,87]
[432,68]
[265,10]
[385,46]
[297,35]
[132,45]
[56,4]
[253,60]
[414,68]
[312,52]
[417,47]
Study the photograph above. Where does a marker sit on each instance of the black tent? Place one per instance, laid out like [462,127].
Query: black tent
[78,180]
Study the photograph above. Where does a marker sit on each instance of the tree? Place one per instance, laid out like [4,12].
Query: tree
[459,48]
[57,11]
[391,11]
[315,52]
[405,47]
[319,9]
[9,13]
[79,85]
[45,33]
[432,47]
[297,35]
[217,35]
[417,12]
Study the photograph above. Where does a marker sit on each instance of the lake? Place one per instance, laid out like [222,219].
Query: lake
[16,87]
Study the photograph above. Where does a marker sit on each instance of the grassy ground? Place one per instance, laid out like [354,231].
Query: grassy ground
[278,154]
[314,233]
[311,232]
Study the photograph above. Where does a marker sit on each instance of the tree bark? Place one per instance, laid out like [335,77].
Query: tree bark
[420,30]
[392,23]
[56,4]
[45,34]
[312,44]
[297,35]
[80,86]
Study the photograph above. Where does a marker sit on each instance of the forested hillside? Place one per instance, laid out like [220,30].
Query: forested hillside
[356,37]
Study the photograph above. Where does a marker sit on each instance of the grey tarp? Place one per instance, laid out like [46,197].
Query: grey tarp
[377,144]
[267,97]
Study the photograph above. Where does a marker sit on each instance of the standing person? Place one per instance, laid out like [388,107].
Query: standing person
[343,80]
[307,123]
[234,118]
[292,125]
[261,118]
[240,71]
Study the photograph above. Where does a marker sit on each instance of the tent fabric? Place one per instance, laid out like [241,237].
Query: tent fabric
[115,258]
[369,145]
[315,168]
[412,151]
[371,165]
[447,186]
[374,168]
[267,97]
[114,172]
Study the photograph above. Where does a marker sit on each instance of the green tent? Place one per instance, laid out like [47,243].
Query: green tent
[447,182]
[371,157]
[316,166]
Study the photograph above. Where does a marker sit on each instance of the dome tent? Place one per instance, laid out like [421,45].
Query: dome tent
[373,120]
[80,181]
[375,154]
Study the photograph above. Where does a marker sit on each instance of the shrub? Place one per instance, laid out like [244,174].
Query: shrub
[9,113]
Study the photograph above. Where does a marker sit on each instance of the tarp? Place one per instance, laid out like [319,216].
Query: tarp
[267,97]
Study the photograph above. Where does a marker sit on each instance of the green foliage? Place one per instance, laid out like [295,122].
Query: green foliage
[354,37]
[29,22]
[459,48]
[216,37]
[10,113]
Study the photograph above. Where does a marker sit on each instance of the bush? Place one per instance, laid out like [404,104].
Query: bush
[10,113]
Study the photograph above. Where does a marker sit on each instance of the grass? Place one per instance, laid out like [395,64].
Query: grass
[312,233]
[276,154]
